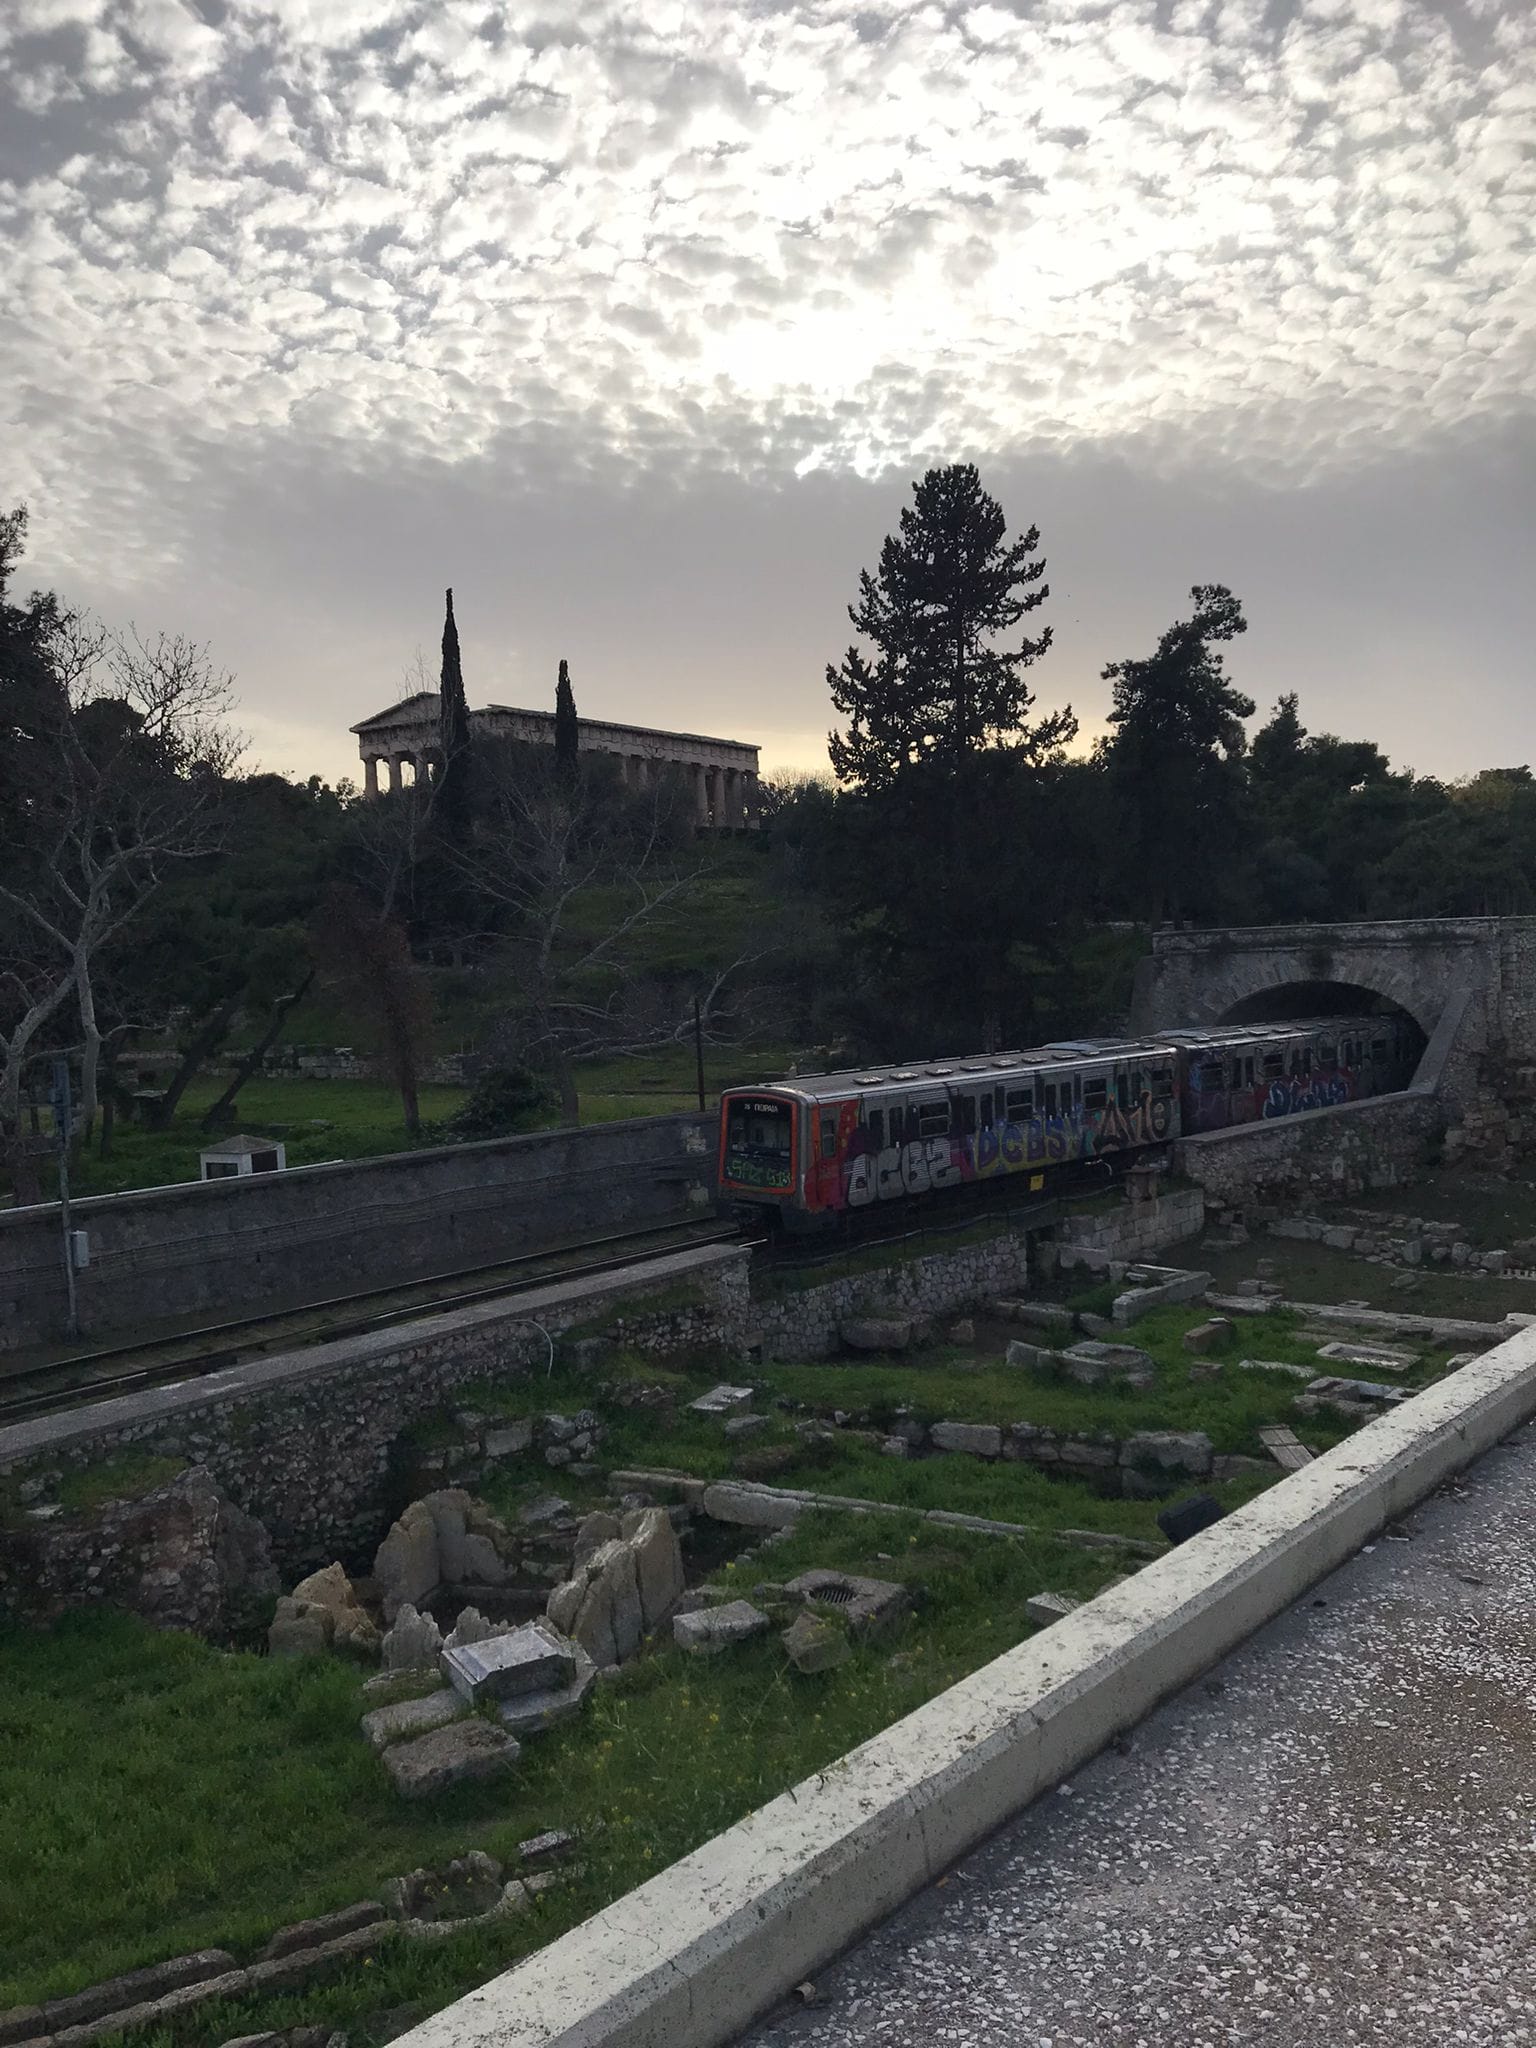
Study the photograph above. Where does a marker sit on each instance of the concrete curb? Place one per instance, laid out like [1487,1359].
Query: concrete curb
[693,1956]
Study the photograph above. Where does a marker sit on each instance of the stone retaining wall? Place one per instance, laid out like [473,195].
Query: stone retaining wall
[805,1325]
[310,1443]
[1382,1143]
[1133,1230]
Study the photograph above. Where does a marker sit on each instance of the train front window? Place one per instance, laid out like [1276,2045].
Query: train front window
[759,1138]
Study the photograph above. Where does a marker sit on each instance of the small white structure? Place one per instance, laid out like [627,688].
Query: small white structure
[238,1156]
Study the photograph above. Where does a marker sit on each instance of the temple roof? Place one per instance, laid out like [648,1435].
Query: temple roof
[421,698]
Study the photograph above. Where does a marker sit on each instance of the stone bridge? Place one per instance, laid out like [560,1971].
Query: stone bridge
[1468,983]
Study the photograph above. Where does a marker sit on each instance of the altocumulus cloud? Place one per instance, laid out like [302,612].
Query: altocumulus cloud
[312,248]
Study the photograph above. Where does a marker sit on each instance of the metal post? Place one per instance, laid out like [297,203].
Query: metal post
[698,1047]
[63,1121]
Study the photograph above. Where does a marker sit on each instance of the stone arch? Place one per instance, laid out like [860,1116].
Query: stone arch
[1281,999]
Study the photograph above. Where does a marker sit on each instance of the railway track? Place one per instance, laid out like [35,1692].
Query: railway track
[122,1369]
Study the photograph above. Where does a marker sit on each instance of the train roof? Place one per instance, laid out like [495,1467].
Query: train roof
[1060,1053]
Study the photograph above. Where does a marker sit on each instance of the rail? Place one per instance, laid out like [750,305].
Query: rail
[166,1359]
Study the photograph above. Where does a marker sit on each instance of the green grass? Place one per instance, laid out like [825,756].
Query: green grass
[128,1477]
[159,1795]
[1316,1272]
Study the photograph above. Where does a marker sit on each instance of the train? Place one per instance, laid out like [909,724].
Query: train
[816,1150]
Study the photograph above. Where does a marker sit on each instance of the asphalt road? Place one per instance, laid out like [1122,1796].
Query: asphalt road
[1329,1841]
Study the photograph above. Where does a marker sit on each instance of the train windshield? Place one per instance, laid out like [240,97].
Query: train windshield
[759,1141]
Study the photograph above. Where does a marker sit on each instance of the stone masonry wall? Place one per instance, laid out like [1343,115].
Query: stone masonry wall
[1382,1143]
[805,1325]
[309,1443]
[1133,1230]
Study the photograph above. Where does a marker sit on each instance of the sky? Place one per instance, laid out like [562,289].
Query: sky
[635,324]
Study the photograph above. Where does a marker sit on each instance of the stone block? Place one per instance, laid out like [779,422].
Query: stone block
[1025,1357]
[975,1439]
[1044,1315]
[325,1959]
[749,1507]
[813,1645]
[1044,1608]
[414,1642]
[1092,1363]
[553,1846]
[1382,1356]
[1295,1372]
[1329,1389]
[596,1530]
[659,1574]
[1210,1336]
[877,1333]
[1339,1238]
[119,1994]
[722,1400]
[1169,1450]
[326,1927]
[405,1568]
[714,1629]
[455,1755]
[1085,1454]
[1187,1518]
[299,1630]
[405,1718]
[531,1713]
[532,1658]
[740,1426]
[509,1439]
[156,2012]
[864,1605]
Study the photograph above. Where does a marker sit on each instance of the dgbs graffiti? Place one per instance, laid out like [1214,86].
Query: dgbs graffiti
[1286,1098]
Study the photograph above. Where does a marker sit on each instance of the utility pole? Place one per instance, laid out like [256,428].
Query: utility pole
[698,1048]
[64,1125]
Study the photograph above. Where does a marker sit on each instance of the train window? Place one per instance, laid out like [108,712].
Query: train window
[1211,1077]
[984,1113]
[1096,1092]
[1048,1099]
[1123,1089]
[1301,1062]
[1327,1053]
[1274,1066]
[829,1137]
[898,1126]
[933,1119]
[1248,1071]
[1020,1104]
[875,1125]
[963,1124]
[1160,1080]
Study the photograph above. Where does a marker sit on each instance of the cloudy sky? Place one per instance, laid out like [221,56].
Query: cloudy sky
[635,323]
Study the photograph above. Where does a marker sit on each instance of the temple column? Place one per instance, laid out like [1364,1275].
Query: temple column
[370,775]
[749,798]
[701,795]
[714,780]
[392,764]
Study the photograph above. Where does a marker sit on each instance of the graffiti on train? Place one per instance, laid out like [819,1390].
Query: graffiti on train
[1288,1098]
[922,1165]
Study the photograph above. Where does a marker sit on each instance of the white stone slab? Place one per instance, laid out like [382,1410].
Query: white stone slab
[528,1659]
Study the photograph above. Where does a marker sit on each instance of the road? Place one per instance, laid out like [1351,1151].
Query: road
[1329,1841]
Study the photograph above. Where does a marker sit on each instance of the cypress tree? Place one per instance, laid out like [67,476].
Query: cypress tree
[453,727]
[566,731]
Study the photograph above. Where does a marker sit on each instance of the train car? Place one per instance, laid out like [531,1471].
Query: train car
[812,1150]
[1250,1073]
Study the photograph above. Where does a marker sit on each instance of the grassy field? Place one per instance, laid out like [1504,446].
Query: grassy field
[321,1120]
[162,1794]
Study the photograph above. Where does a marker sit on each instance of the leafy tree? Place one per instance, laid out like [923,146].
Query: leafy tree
[1173,761]
[939,687]
[504,1101]
[567,731]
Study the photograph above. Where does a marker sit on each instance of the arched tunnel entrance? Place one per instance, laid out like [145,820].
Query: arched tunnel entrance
[1296,999]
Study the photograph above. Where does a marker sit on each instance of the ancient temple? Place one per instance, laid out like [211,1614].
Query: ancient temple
[721,773]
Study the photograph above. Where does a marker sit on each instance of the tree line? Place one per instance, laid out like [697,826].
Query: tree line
[967,876]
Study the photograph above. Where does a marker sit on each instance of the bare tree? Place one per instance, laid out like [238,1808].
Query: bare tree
[575,868]
[121,778]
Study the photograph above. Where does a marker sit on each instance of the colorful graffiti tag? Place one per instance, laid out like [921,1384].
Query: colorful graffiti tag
[860,1173]
[1323,1091]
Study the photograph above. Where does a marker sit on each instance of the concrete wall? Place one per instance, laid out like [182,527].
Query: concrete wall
[309,1442]
[222,1247]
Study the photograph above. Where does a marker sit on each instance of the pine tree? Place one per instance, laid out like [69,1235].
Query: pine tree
[1175,758]
[453,730]
[567,732]
[939,688]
